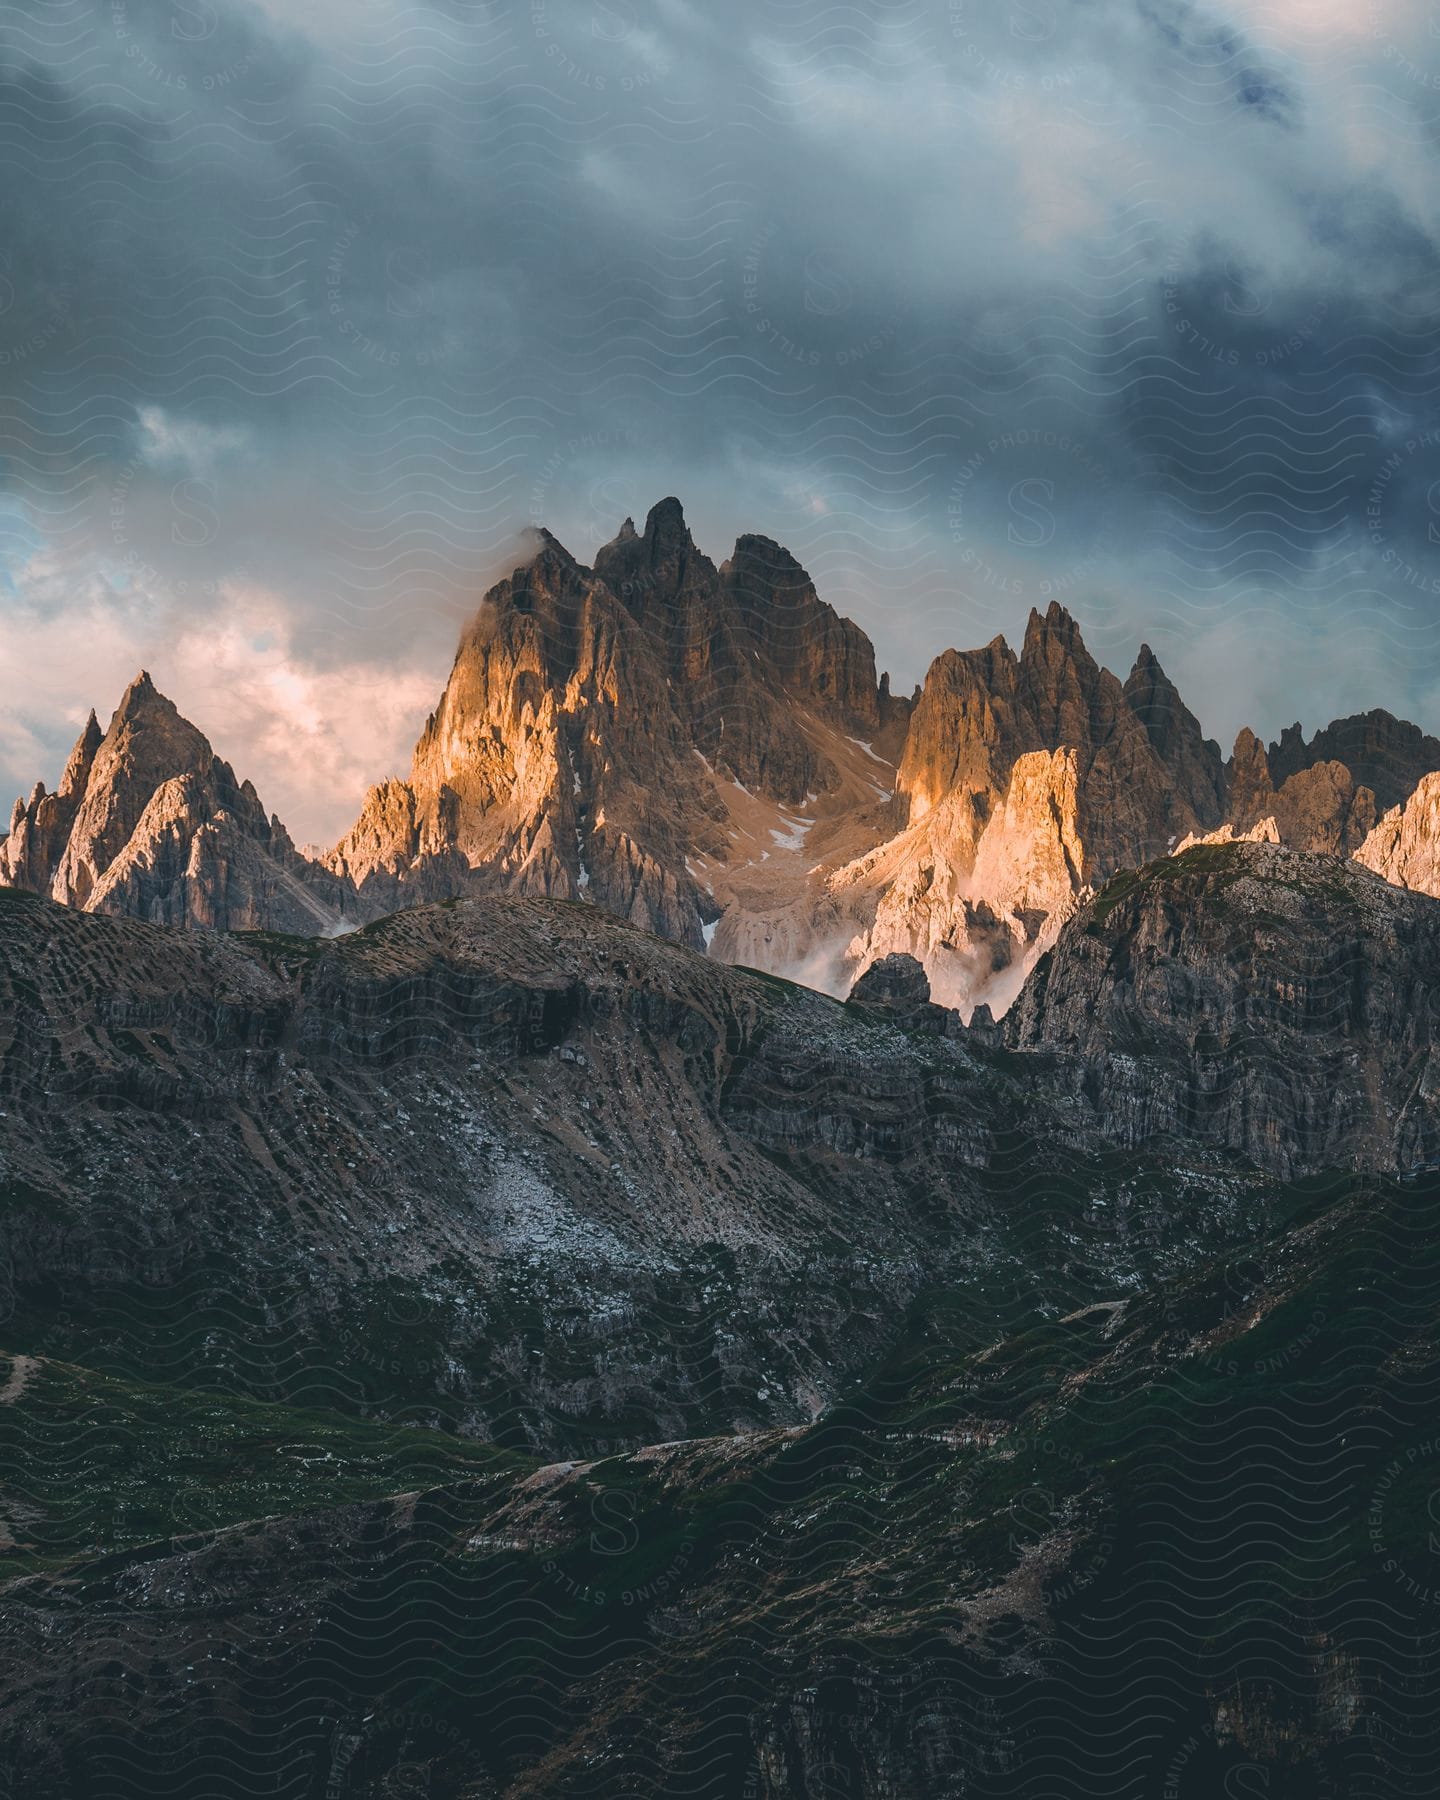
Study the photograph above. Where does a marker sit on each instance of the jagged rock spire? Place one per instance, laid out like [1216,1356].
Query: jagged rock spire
[82,757]
[1176,737]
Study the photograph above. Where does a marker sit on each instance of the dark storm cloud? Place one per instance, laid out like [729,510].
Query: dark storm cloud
[974,304]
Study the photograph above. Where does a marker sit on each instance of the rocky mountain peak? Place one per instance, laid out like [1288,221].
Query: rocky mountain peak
[1055,625]
[142,702]
[143,709]
[633,733]
[1155,700]
[664,544]
[1250,786]
[147,743]
[149,822]
[1175,735]
[815,655]
[1288,753]
[1073,700]
[665,523]
[551,571]
[659,575]
[1029,779]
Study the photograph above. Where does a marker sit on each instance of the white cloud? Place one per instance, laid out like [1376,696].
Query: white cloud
[312,740]
[165,439]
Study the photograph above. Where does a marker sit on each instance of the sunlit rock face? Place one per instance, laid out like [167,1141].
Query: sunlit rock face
[1027,778]
[1320,806]
[1383,753]
[626,734]
[1405,846]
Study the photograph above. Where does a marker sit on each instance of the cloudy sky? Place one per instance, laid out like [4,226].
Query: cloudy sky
[308,312]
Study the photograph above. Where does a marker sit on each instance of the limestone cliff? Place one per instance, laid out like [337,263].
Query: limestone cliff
[1385,754]
[1192,760]
[1027,779]
[707,752]
[40,828]
[553,765]
[1405,846]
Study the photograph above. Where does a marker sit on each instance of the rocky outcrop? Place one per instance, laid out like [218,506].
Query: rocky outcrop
[1320,806]
[554,765]
[896,990]
[1277,1004]
[1383,753]
[980,711]
[978,887]
[1132,803]
[40,828]
[894,983]
[1193,761]
[1323,809]
[1404,847]
[1250,791]
[149,823]
[735,641]
[1264,831]
[823,660]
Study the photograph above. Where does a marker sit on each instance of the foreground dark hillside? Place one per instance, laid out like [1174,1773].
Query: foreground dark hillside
[1037,1409]
[516,1167]
[1151,1547]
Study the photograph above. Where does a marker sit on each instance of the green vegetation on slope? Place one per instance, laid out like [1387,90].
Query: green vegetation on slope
[94,1464]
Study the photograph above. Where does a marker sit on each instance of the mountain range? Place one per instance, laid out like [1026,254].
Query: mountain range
[473,1326]
[497,1351]
[708,753]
